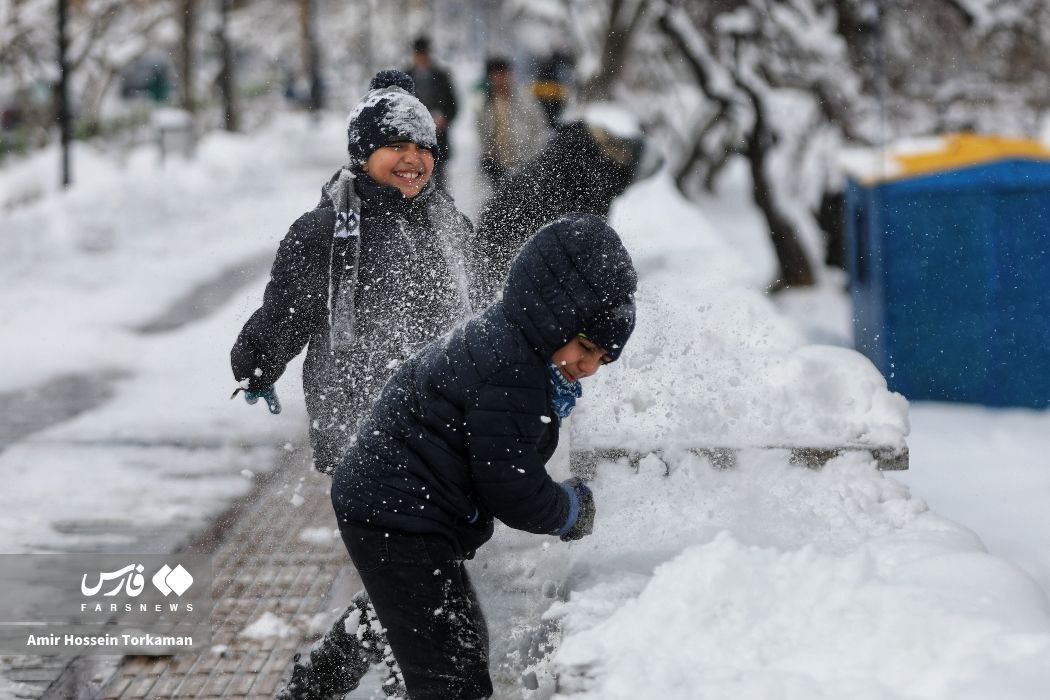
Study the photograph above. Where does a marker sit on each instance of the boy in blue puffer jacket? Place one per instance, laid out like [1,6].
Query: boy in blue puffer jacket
[461,435]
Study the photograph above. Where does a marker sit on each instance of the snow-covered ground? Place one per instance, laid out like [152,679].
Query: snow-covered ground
[84,273]
[988,469]
[766,581]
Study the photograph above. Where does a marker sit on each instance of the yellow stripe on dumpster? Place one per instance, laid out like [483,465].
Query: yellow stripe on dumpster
[965,150]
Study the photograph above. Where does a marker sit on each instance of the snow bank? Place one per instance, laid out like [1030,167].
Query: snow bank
[727,620]
[976,460]
[764,581]
[767,580]
[712,362]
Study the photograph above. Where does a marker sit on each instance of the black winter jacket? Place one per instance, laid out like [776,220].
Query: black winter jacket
[463,430]
[411,288]
[573,173]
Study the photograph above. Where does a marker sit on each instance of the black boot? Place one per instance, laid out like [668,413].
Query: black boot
[337,664]
[376,648]
[301,685]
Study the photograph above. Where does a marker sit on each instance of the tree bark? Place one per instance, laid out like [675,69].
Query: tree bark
[188,18]
[619,32]
[227,80]
[795,268]
[717,161]
[310,54]
[62,96]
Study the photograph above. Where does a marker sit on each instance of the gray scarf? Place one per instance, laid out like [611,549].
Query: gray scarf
[341,323]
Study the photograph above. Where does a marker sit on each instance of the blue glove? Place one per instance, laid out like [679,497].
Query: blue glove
[580,521]
[267,395]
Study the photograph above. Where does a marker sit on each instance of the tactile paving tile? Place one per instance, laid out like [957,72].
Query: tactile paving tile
[261,564]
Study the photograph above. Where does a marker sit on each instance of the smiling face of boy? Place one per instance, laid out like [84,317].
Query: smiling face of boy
[579,358]
[404,166]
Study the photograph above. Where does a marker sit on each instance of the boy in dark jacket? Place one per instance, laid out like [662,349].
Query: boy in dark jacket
[461,435]
[366,278]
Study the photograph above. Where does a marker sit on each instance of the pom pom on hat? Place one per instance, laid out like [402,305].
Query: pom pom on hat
[393,78]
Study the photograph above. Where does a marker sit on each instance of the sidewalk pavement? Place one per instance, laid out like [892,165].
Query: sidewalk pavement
[279,567]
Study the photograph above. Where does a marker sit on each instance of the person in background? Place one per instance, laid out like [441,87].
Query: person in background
[511,125]
[551,87]
[435,89]
[582,168]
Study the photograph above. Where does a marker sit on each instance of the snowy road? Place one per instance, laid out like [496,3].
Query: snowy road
[121,301]
[51,402]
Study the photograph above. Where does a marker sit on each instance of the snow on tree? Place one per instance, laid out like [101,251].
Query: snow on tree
[105,36]
[778,90]
[277,47]
[785,83]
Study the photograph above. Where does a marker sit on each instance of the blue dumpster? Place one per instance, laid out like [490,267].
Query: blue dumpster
[950,272]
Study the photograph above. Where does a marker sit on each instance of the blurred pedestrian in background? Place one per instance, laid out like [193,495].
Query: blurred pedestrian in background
[435,89]
[552,86]
[582,167]
[511,125]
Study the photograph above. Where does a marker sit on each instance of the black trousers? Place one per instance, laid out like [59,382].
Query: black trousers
[426,603]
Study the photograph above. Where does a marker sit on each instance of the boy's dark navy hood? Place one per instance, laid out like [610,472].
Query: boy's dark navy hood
[573,276]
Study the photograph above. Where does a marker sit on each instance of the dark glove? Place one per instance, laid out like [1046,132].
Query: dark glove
[267,395]
[580,522]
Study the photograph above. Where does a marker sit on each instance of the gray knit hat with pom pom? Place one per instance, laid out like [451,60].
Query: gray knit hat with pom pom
[389,113]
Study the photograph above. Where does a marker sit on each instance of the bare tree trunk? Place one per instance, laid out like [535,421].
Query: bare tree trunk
[188,12]
[795,268]
[829,218]
[700,161]
[691,163]
[310,53]
[62,97]
[716,166]
[618,35]
[226,79]
[697,155]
